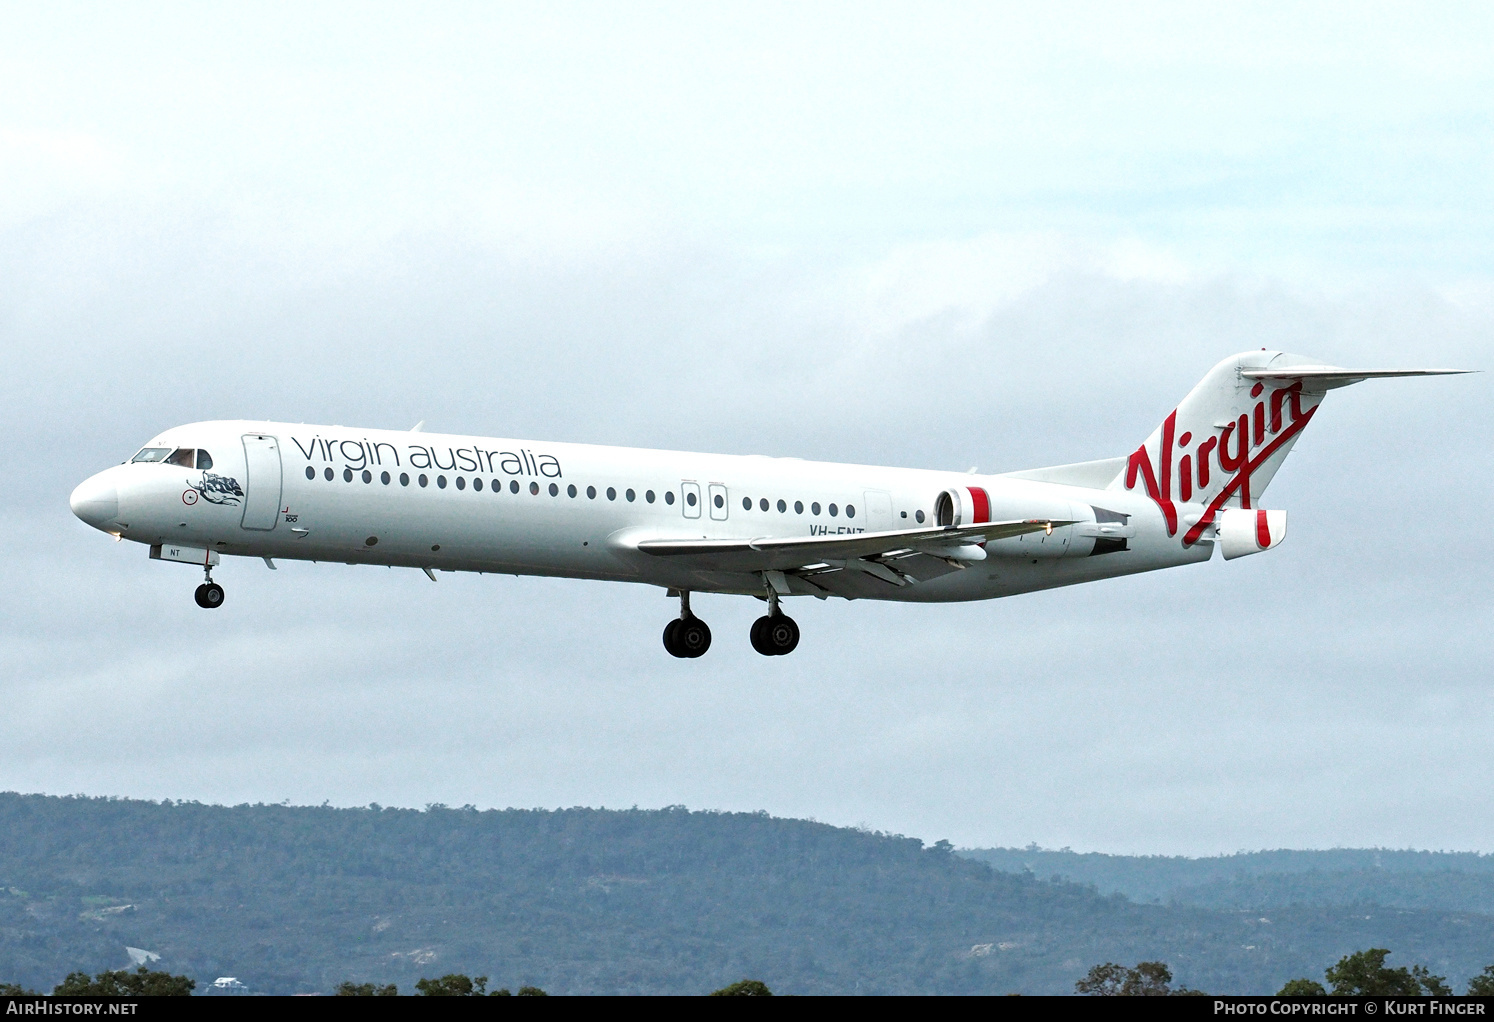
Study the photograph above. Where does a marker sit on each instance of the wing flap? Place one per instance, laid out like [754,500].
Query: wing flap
[796,553]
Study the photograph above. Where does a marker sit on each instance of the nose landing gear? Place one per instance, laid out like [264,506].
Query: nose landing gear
[209,595]
[687,636]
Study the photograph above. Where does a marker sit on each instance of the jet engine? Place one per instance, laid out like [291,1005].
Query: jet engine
[962,505]
[972,505]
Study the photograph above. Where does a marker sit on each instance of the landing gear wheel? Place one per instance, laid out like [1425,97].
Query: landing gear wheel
[670,645]
[209,596]
[692,637]
[687,635]
[758,636]
[774,635]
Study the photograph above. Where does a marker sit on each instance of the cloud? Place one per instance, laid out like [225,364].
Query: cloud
[1001,240]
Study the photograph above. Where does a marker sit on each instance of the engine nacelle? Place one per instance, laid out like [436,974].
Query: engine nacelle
[1245,531]
[962,505]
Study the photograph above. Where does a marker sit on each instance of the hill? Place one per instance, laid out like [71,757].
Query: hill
[1445,881]
[297,899]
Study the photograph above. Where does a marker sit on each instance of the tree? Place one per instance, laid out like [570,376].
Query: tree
[1364,973]
[454,984]
[1147,979]
[530,992]
[15,990]
[1102,981]
[140,983]
[1432,986]
[1302,988]
[1482,985]
[744,988]
[350,989]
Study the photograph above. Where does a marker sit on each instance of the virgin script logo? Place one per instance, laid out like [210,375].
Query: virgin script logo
[1240,448]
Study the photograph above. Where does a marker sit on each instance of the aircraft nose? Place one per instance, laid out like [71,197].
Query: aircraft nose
[96,502]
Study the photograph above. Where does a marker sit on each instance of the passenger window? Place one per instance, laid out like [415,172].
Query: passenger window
[746,503]
[186,457]
[591,493]
[513,486]
[404,479]
[918,517]
[152,454]
[689,499]
[310,472]
[441,482]
[649,496]
[763,503]
[384,478]
[832,510]
[631,496]
[798,507]
[570,491]
[477,483]
[461,483]
[497,486]
[534,489]
[204,459]
[782,507]
[367,476]
[611,493]
[850,510]
[424,480]
[328,473]
[814,508]
[347,476]
[554,490]
[669,497]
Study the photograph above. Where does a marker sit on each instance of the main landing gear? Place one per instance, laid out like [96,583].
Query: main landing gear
[687,636]
[209,595]
[775,633]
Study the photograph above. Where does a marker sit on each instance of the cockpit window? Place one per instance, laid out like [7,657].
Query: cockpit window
[204,459]
[152,454]
[186,457]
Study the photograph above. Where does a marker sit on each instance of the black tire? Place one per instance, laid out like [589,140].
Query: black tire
[759,635]
[671,644]
[693,637]
[200,595]
[780,635]
[212,596]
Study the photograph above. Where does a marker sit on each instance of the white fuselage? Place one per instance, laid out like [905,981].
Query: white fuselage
[464,503]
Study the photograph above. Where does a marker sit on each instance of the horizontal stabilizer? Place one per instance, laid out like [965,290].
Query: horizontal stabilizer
[1329,377]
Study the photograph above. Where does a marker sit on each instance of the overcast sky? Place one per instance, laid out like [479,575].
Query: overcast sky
[922,235]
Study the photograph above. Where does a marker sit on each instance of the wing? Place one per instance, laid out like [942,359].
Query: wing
[846,564]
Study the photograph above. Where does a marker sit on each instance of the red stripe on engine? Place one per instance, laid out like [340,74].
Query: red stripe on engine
[1262,531]
[980,505]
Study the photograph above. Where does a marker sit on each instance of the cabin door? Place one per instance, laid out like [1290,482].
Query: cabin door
[878,511]
[261,482]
